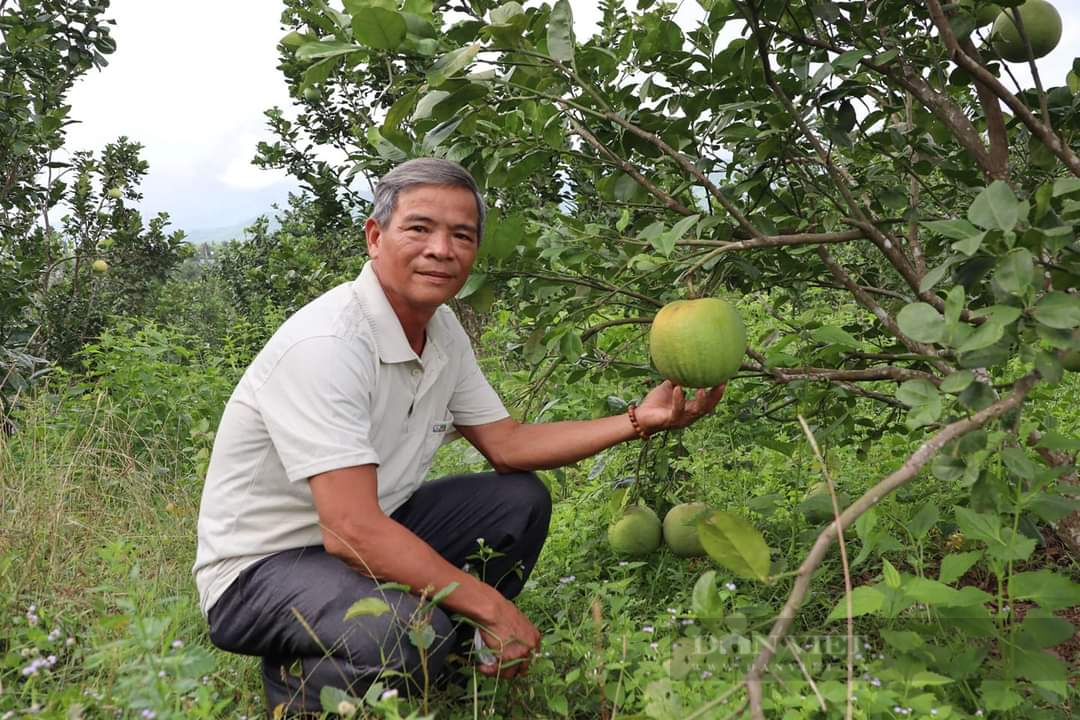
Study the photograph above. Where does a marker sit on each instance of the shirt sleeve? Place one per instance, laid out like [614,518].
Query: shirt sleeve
[474,401]
[316,404]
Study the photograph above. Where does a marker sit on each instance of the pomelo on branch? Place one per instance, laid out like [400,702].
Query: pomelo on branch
[983,12]
[698,343]
[100,266]
[1042,24]
[636,533]
[680,529]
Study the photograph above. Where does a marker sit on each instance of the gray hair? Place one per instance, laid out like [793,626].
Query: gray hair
[424,171]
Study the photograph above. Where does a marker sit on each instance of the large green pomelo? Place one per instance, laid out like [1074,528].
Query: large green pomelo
[636,533]
[680,529]
[1042,23]
[698,343]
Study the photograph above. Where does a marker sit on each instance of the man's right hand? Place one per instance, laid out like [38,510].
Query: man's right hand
[513,639]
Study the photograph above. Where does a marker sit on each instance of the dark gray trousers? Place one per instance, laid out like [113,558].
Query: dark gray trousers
[259,614]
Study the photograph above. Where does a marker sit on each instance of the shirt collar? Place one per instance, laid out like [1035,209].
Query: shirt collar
[390,340]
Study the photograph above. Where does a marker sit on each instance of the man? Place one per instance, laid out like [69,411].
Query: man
[313,494]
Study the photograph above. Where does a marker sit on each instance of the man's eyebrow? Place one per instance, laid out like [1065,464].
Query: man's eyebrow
[414,217]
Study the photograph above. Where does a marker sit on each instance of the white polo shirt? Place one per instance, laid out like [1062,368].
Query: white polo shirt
[336,386]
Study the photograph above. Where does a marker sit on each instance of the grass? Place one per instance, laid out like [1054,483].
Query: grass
[98,537]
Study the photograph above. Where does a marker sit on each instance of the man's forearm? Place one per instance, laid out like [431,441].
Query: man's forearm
[549,445]
[386,550]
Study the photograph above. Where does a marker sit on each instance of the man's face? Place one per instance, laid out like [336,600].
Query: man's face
[424,254]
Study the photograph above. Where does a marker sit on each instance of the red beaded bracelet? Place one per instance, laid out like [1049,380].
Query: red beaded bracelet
[631,410]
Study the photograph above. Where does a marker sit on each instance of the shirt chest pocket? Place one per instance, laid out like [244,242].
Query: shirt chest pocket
[435,433]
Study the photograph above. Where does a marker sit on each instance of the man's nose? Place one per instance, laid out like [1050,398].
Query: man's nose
[440,244]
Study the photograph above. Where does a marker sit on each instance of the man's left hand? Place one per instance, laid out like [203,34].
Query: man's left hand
[666,407]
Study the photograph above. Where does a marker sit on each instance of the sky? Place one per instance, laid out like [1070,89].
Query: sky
[190,81]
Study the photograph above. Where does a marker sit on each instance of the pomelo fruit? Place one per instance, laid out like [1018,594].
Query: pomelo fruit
[680,529]
[100,266]
[983,12]
[1042,23]
[636,533]
[1071,361]
[698,343]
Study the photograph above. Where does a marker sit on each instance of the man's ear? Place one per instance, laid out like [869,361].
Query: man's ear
[373,235]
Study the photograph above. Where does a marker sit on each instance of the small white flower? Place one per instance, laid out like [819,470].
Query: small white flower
[387,694]
[688,621]
[933,711]
[876,682]
[161,673]
[648,629]
[624,563]
[69,642]
[148,714]
[705,674]
[567,580]
[177,644]
[730,586]
[54,635]
[654,646]
[978,713]
[673,611]
[346,709]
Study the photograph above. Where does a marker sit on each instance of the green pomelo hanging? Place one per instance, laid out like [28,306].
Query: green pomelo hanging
[1042,24]
[636,533]
[1071,361]
[680,529]
[698,343]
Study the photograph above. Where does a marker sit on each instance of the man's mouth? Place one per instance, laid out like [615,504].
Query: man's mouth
[438,275]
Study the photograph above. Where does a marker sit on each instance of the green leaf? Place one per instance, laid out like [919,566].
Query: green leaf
[987,334]
[506,12]
[422,636]
[1053,440]
[917,392]
[1043,670]
[903,640]
[384,147]
[379,28]
[1042,629]
[560,33]
[934,276]
[920,321]
[680,229]
[1018,463]
[434,137]
[325,49]
[935,593]
[705,600]
[831,335]
[663,242]
[957,381]
[970,245]
[996,207]
[849,59]
[952,229]
[475,282]
[331,698]
[978,526]
[1015,272]
[865,600]
[733,542]
[926,678]
[451,64]
[890,574]
[367,607]
[1046,587]
[570,346]
[1066,186]
[1058,310]
[444,593]
[924,520]
[428,103]
[954,566]
[502,235]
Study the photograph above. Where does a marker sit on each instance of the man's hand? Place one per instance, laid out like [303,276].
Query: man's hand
[513,639]
[666,407]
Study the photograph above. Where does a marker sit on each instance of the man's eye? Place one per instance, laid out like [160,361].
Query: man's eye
[418,228]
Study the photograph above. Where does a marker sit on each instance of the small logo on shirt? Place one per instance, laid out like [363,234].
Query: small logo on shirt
[439,427]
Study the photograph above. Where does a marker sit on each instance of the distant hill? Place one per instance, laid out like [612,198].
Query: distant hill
[202,236]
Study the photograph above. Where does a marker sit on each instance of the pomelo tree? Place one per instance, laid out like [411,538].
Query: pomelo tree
[864,175]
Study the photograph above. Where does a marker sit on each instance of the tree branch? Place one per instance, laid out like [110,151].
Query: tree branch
[690,168]
[903,475]
[879,312]
[1021,111]
[589,332]
[627,168]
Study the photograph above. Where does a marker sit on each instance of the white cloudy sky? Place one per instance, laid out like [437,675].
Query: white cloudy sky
[191,80]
